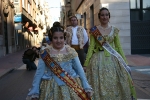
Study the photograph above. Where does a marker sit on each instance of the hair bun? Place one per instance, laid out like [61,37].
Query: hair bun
[55,28]
[56,24]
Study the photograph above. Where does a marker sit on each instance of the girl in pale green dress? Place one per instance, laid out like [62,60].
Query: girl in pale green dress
[109,80]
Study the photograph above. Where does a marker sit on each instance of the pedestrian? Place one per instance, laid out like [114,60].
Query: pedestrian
[29,57]
[46,41]
[47,84]
[76,37]
[105,72]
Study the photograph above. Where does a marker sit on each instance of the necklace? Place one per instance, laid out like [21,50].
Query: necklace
[104,29]
[59,55]
[58,50]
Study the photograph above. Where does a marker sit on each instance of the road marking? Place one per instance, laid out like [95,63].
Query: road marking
[143,99]
[143,69]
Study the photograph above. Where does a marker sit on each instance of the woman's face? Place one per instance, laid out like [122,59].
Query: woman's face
[58,40]
[104,17]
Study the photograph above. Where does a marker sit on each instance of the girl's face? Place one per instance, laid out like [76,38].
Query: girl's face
[58,40]
[104,17]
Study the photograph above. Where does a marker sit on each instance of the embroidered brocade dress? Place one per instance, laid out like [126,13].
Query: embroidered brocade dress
[47,86]
[107,77]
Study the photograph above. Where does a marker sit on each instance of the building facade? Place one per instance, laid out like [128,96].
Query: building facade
[7,42]
[125,15]
[22,24]
[140,26]
[27,30]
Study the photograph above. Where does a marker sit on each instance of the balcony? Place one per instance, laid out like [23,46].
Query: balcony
[26,14]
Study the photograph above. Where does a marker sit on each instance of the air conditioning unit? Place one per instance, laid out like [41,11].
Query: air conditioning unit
[79,16]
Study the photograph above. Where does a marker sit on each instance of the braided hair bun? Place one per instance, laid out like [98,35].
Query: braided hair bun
[56,28]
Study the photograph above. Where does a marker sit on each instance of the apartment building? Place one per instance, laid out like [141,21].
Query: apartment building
[26,27]
[22,24]
[132,17]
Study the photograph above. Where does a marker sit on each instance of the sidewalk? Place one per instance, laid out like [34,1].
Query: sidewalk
[138,60]
[10,62]
[141,79]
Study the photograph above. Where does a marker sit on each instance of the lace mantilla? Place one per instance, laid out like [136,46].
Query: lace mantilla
[70,54]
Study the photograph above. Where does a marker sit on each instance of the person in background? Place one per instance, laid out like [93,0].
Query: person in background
[29,57]
[76,37]
[108,77]
[86,46]
[45,41]
[46,83]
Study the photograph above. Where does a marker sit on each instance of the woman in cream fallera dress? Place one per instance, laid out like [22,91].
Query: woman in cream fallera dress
[108,78]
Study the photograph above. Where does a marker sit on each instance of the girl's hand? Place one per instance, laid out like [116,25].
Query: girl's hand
[84,68]
[89,94]
[34,99]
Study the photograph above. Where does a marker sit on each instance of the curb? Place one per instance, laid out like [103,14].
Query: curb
[7,72]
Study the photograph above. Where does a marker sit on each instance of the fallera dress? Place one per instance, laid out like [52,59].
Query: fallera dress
[108,78]
[47,86]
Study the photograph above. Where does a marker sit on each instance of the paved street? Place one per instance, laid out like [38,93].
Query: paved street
[140,66]
[15,85]
[15,81]
[143,69]
[141,77]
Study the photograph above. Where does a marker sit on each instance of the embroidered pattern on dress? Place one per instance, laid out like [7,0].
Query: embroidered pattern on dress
[63,57]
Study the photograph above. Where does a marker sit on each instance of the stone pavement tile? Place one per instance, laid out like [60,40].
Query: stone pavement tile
[10,62]
[138,60]
[142,82]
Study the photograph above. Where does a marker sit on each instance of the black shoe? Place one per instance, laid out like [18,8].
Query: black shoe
[28,68]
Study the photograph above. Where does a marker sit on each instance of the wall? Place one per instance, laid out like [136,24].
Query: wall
[1,30]
[10,28]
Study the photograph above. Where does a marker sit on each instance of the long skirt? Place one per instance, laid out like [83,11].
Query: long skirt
[49,90]
[108,78]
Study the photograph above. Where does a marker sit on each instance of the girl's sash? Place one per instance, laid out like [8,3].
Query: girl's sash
[59,72]
[96,33]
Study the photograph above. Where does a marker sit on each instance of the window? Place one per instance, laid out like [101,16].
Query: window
[85,20]
[135,15]
[16,0]
[146,14]
[29,9]
[92,16]
[34,14]
[30,1]
[140,10]
[23,4]
[135,4]
[17,9]
[146,4]
[81,22]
